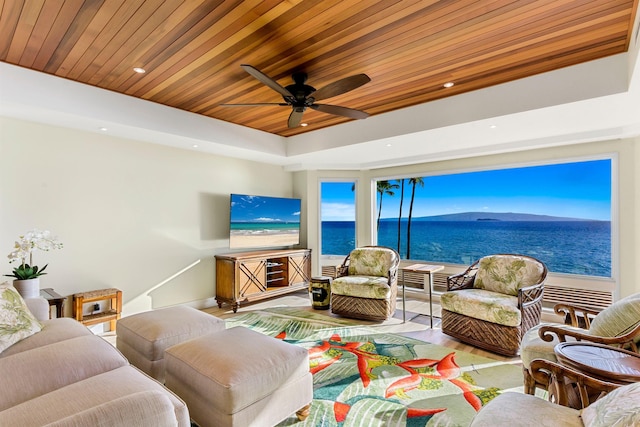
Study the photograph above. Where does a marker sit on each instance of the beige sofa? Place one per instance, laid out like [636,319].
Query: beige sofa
[64,375]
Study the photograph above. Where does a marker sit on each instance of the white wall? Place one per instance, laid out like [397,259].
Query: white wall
[627,251]
[131,215]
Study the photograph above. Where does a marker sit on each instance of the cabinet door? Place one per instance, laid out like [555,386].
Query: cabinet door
[252,277]
[299,268]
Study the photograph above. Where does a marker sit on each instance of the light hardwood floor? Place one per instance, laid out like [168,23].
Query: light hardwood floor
[416,326]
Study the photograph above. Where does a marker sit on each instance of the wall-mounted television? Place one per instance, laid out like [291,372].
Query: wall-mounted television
[261,221]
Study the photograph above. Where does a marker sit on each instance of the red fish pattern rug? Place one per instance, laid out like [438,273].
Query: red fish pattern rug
[365,378]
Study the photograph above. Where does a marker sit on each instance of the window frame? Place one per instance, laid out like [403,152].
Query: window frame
[343,180]
[591,282]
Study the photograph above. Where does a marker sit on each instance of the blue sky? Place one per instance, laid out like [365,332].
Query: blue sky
[576,190]
[264,209]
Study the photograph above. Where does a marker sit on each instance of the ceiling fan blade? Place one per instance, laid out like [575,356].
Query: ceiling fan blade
[341,86]
[295,117]
[340,111]
[267,80]
[261,104]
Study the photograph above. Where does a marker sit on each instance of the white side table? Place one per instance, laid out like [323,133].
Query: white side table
[427,270]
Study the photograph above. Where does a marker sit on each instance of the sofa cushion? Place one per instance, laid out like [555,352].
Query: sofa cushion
[371,262]
[54,330]
[621,407]
[373,287]
[154,407]
[506,274]
[617,319]
[484,305]
[50,367]
[16,321]
[92,392]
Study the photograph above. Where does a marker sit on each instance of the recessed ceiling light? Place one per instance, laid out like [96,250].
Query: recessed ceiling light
[389,145]
[492,126]
[139,70]
[304,124]
[195,145]
[448,84]
[104,129]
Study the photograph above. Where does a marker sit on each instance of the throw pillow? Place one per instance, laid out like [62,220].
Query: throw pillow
[371,262]
[16,321]
[621,407]
[618,319]
[506,274]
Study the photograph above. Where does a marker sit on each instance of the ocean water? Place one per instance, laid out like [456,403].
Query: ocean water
[574,247]
[263,227]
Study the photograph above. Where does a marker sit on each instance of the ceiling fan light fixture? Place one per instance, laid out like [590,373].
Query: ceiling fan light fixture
[300,96]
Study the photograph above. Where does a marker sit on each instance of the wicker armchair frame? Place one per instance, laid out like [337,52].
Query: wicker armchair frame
[579,317]
[568,387]
[368,308]
[504,340]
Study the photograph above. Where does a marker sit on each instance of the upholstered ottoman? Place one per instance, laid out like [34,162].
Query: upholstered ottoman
[144,337]
[238,377]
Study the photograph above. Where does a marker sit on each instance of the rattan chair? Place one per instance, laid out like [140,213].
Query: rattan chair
[494,302]
[367,284]
[617,325]
[574,400]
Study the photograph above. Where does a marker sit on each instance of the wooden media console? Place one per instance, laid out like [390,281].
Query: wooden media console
[252,276]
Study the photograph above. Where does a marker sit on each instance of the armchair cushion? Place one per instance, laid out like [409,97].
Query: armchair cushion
[16,321]
[484,305]
[618,319]
[620,407]
[506,274]
[374,287]
[516,409]
[534,347]
[371,262]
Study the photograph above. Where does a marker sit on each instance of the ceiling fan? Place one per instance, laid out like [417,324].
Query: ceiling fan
[301,96]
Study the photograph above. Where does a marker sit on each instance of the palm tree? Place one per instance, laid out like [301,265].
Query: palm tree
[413,181]
[400,212]
[384,187]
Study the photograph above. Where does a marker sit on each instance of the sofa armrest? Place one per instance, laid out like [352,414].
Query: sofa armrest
[39,307]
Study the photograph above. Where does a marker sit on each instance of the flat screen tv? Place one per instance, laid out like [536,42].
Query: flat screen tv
[261,221]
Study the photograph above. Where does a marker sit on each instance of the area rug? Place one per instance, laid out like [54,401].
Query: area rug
[365,378]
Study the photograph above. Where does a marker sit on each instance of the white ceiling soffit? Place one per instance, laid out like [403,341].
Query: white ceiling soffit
[586,102]
[36,96]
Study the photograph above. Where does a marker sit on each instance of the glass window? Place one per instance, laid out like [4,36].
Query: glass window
[338,217]
[558,213]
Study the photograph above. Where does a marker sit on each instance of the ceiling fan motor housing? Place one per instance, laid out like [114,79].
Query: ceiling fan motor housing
[300,90]
[297,95]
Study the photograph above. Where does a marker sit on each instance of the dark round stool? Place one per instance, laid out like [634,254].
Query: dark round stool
[320,292]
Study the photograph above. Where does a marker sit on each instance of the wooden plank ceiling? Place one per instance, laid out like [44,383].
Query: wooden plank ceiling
[192,50]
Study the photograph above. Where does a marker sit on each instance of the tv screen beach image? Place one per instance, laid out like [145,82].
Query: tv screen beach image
[261,221]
